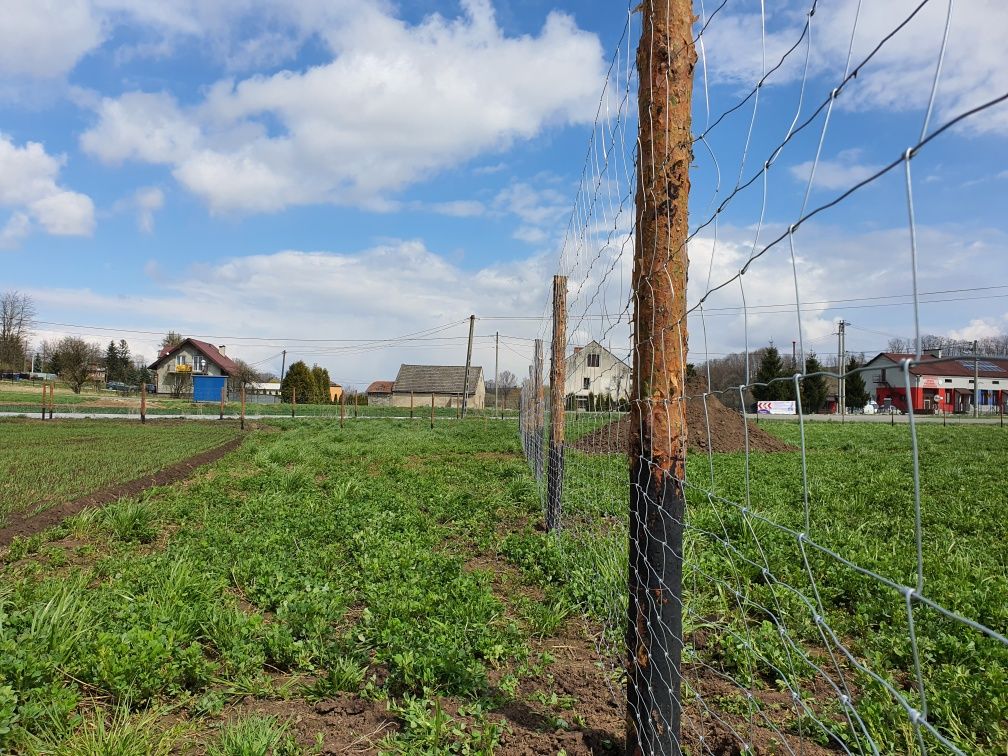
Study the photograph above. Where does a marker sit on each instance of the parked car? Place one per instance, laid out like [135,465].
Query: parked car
[122,388]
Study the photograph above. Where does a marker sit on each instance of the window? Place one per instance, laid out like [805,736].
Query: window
[948,380]
[199,363]
[180,359]
[593,361]
[587,383]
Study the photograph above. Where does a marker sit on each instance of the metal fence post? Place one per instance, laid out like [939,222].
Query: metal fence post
[665,62]
[554,481]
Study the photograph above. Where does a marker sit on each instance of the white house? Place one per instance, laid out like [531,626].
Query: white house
[595,370]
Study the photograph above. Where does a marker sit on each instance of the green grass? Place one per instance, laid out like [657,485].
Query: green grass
[316,562]
[861,508]
[43,463]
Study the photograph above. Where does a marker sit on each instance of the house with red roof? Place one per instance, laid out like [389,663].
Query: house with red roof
[176,367]
[937,384]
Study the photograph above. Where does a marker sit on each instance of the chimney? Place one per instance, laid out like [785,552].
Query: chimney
[577,350]
[222,349]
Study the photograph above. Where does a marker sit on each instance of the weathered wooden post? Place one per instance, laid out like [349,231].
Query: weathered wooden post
[411,405]
[432,411]
[243,407]
[52,399]
[293,399]
[223,395]
[657,456]
[554,480]
[45,400]
[143,402]
[342,409]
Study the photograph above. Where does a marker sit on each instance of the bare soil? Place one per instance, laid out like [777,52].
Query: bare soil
[26,525]
[727,430]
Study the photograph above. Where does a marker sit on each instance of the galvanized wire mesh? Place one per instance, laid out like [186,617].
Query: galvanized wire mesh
[783,602]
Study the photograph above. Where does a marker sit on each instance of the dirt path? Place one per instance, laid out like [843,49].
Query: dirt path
[26,525]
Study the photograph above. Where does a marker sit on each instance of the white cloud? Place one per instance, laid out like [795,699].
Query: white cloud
[28,185]
[898,78]
[396,104]
[46,38]
[980,328]
[842,172]
[148,201]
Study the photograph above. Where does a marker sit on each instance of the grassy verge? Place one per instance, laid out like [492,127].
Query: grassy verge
[46,463]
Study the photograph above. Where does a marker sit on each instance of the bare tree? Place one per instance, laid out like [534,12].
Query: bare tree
[76,358]
[508,380]
[245,375]
[171,339]
[17,319]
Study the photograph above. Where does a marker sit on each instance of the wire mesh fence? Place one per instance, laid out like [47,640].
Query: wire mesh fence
[793,586]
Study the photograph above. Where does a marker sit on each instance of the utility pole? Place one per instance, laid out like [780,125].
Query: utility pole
[497,372]
[841,368]
[283,365]
[666,58]
[465,386]
[976,378]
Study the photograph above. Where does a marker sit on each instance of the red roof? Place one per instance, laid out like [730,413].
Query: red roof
[208,350]
[381,387]
[959,365]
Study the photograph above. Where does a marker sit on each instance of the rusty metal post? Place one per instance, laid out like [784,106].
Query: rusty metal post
[538,418]
[243,407]
[555,477]
[143,402]
[665,62]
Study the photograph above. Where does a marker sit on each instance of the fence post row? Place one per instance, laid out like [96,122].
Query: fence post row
[554,481]
[657,451]
[538,419]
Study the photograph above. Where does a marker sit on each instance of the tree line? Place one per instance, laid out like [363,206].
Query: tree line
[305,385]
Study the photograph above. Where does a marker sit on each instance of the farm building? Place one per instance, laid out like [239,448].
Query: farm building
[379,393]
[443,381]
[595,370]
[177,369]
[939,385]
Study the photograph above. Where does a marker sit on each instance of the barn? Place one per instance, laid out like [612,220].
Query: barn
[938,384]
[417,383]
[379,393]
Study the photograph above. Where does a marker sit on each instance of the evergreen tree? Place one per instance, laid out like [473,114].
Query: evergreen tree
[113,369]
[320,377]
[298,383]
[857,393]
[771,366]
[814,388]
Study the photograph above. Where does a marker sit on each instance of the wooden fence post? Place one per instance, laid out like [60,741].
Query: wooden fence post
[554,481]
[243,407]
[45,394]
[411,405]
[52,399]
[143,402]
[342,408]
[223,394]
[432,411]
[666,58]
[293,399]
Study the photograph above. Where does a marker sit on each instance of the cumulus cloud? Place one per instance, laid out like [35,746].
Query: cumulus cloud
[841,172]
[898,78]
[395,105]
[28,185]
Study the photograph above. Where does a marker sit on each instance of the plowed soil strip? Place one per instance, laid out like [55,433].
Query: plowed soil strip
[26,525]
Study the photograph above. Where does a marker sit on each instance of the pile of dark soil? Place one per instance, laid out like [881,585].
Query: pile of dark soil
[727,430]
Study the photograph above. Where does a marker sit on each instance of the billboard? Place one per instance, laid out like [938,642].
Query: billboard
[776,408]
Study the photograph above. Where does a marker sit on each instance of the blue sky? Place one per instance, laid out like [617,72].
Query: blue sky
[286,175]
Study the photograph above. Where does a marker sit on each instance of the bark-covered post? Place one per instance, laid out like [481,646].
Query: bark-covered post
[52,398]
[143,402]
[342,408]
[45,398]
[432,411]
[411,405]
[665,61]
[223,394]
[554,480]
[538,419]
[243,407]
[293,399]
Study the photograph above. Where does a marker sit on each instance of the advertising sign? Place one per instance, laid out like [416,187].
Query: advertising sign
[776,408]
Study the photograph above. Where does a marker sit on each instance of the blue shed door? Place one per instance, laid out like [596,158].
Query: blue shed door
[207,388]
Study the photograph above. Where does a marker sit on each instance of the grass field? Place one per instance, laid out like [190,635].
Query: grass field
[46,463]
[401,574]
[25,397]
